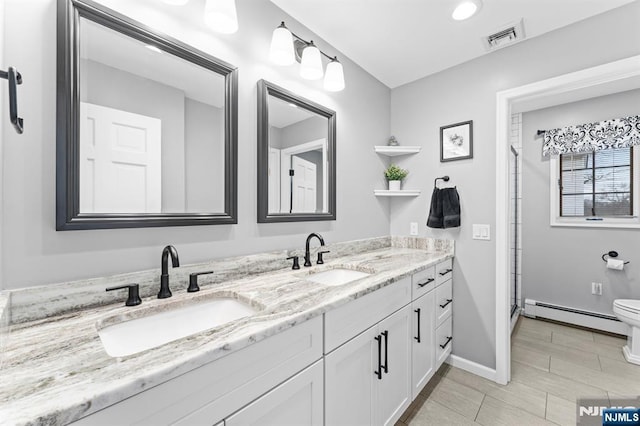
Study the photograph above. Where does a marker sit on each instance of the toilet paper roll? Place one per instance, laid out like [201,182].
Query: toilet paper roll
[615,264]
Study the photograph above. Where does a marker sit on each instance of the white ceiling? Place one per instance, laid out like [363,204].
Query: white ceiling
[399,41]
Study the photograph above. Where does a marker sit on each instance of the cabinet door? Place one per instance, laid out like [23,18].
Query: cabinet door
[394,395]
[423,342]
[296,402]
[350,381]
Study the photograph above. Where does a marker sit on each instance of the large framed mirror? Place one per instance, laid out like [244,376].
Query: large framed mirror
[296,157]
[146,126]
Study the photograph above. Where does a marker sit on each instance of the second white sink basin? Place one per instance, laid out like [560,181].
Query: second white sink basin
[137,335]
[335,277]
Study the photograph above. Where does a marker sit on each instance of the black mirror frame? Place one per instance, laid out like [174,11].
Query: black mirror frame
[265,89]
[68,216]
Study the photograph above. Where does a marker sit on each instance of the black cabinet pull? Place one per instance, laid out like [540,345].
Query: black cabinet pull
[447,342]
[446,303]
[417,311]
[422,284]
[379,372]
[385,367]
[445,272]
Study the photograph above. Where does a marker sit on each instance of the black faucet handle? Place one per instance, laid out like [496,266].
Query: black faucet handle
[134,294]
[296,263]
[320,259]
[193,281]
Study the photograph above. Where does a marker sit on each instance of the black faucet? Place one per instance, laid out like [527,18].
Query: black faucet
[307,255]
[164,278]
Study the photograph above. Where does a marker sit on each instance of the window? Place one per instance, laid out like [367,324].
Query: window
[595,189]
[597,184]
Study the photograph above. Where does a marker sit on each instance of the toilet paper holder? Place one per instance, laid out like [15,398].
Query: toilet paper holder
[612,253]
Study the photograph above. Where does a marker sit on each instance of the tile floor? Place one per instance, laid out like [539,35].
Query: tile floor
[552,366]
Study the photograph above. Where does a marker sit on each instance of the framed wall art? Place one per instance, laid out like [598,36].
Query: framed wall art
[456,141]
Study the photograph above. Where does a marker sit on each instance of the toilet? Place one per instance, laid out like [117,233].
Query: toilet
[628,311]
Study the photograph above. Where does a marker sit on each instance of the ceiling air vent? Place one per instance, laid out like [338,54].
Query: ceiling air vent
[510,34]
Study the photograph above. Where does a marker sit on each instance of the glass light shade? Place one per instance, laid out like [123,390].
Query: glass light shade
[221,16]
[465,10]
[176,2]
[311,64]
[334,77]
[281,51]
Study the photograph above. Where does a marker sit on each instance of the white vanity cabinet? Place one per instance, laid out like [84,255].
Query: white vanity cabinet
[423,342]
[298,401]
[444,310]
[367,380]
[214,391]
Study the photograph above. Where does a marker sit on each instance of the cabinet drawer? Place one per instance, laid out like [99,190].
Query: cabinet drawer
[444,301]
[444,271]
[444,341]
[353,318]
[423,282]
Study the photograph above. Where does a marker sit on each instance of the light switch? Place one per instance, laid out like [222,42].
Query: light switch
[481,232]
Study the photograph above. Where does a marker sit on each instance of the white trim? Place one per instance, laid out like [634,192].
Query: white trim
[471,367]
[599,75]
[605,222]
[514,319]
[285,158]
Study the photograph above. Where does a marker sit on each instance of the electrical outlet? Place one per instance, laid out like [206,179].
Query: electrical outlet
[596,288]
[413,228]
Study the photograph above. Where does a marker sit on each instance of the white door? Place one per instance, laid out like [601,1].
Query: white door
[120,161]
[423,342]
[395,387]
[350,381]
[304,185]
[274,181]
[296,402]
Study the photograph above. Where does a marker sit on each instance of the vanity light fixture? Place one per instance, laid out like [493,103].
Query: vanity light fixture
[466,9]
[221,16]
[286,47]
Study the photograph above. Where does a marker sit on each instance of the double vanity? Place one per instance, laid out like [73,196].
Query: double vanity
[350,341]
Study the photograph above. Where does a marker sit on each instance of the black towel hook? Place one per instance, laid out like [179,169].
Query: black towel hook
[444,178]
[14,78]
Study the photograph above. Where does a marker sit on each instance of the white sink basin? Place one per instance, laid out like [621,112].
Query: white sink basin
[335,277]
[137,335]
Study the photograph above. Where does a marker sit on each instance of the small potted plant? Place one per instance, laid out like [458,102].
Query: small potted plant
[394,175]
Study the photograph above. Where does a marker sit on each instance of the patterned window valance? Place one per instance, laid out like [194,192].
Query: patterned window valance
[616,133]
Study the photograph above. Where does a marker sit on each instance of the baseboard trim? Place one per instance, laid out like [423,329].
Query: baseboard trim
[583,318]
[472,367]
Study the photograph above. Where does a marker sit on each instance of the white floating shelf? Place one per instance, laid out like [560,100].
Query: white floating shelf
[393,151]
[401,193]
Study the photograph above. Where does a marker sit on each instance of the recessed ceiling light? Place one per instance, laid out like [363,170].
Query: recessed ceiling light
[466,10]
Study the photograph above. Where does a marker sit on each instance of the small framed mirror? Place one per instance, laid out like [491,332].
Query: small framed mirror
[296,157]
[146,126]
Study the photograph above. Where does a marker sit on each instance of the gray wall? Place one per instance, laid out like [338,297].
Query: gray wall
[204,157]
[40,255]
[104,85]
[304,131]
[468,92]
[559,263]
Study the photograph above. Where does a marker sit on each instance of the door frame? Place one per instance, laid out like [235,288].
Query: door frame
[545,91]
[285,158]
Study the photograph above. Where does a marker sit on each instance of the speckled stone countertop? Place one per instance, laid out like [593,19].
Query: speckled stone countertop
[55,369]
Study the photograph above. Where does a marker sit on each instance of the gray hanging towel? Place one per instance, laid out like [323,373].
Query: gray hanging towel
[435,219]
[450,207]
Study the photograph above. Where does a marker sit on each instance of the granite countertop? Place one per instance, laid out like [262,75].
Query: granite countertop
[55,370]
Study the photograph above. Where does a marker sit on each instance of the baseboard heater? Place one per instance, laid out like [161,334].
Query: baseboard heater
[595,320]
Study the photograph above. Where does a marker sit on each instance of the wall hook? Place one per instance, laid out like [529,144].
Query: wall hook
[14,78]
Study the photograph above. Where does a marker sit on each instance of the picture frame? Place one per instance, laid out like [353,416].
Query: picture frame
[456,141]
